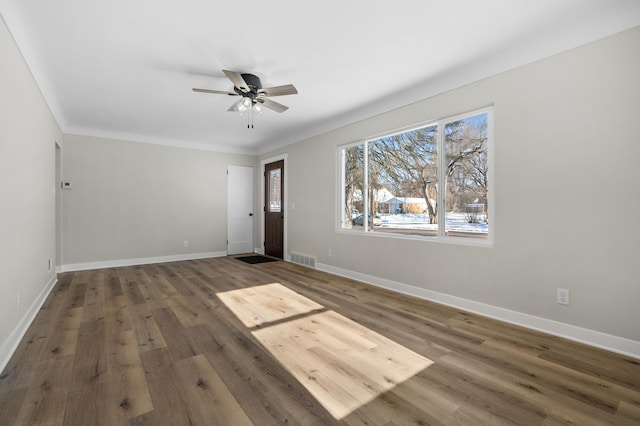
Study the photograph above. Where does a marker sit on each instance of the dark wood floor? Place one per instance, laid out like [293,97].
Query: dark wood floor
[156,345]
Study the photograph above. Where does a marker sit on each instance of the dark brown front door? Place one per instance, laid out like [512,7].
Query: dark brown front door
[274,209]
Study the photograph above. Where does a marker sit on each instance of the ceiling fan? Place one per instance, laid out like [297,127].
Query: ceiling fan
[252,95]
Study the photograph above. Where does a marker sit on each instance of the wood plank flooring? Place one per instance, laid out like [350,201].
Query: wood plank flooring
[220,342]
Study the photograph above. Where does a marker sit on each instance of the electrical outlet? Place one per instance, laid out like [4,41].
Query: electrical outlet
[186,243]
[18,299]
[49,265]
[563,296]
[330,252]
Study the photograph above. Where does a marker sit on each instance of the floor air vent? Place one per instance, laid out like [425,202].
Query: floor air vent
[303,259]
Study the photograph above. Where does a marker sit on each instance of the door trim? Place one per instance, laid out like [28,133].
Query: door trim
[285,207]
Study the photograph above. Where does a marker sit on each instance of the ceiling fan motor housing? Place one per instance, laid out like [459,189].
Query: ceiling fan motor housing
[254,84]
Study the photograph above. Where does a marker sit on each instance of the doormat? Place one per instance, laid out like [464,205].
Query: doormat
[256,259]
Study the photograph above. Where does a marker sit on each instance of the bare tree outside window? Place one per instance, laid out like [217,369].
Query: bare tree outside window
[465,143]
[405,176]
[408,162]
[353,160]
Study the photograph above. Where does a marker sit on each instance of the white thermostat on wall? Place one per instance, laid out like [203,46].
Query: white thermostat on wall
[66,185]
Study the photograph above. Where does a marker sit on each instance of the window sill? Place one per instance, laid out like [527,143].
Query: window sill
[470,241]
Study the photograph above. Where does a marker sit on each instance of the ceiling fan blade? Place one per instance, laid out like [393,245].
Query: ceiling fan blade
[237,80]
[287,89]
[218,92]
[268,103]
[234,107]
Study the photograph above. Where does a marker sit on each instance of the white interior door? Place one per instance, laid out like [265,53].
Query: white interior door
[240,210]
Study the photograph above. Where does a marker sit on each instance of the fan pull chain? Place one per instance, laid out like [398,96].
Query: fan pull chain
[250,117]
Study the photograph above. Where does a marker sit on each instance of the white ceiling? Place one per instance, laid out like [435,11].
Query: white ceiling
[124,69]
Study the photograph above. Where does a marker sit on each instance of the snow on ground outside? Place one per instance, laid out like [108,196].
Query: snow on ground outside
[455,222]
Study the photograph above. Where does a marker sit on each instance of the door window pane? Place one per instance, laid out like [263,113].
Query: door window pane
[275,196]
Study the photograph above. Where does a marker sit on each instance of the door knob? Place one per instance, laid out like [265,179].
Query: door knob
[250,214]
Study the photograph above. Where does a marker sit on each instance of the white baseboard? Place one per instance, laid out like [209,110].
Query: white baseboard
[138,261]
[589,337]
[259,250]
[11,344]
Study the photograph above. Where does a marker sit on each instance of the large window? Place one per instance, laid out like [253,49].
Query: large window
[431,181]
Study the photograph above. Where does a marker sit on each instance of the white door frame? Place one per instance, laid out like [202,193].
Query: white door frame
[285,210]
[57,185]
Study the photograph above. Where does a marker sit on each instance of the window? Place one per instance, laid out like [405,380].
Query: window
[393,184]
[275,197]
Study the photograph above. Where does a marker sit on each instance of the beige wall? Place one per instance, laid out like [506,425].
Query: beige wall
[567,193]
[132,201]
[28,134]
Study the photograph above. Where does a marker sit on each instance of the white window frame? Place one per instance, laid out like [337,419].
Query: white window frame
[440,237]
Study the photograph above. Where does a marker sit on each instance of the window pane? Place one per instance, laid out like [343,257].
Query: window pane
[465,145]
[353,160]
[403,182]
[275,197]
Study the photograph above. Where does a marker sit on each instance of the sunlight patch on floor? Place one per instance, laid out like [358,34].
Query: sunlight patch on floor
[343,364]
[267,303]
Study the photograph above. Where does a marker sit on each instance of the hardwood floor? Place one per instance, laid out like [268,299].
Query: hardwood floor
[218,341]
